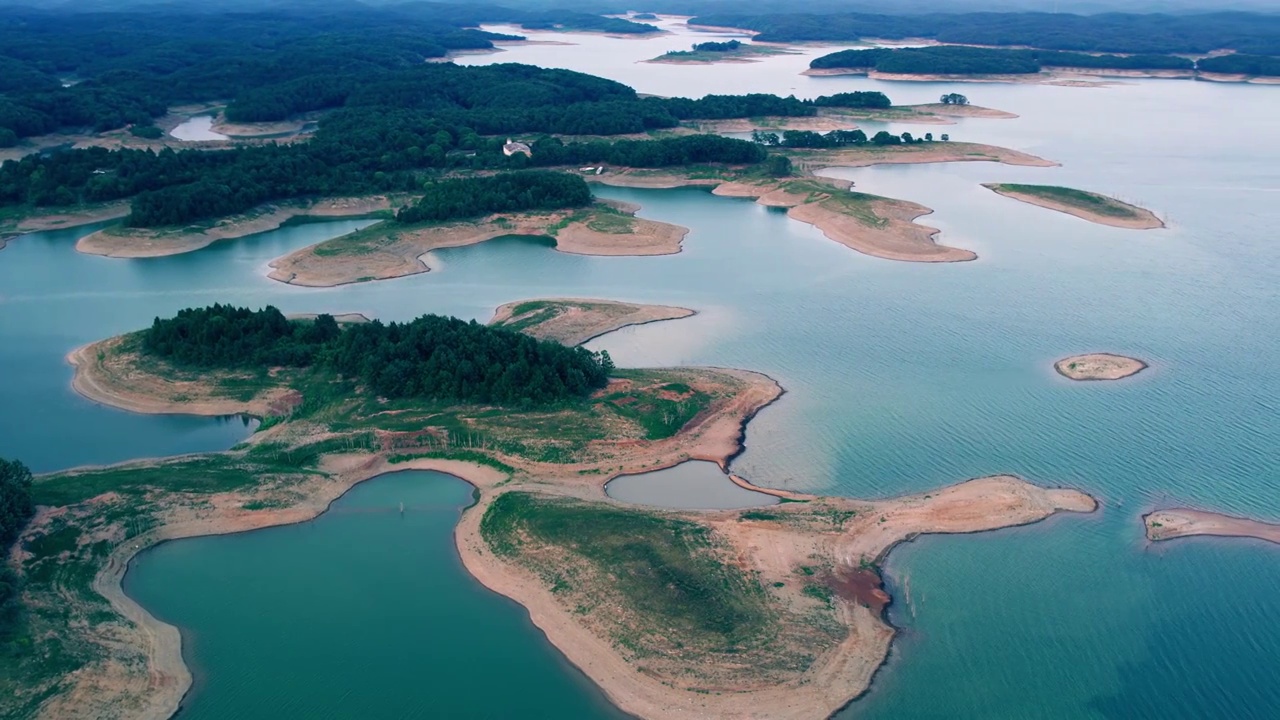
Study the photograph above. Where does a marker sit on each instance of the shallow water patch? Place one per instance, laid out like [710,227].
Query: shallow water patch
[693,485]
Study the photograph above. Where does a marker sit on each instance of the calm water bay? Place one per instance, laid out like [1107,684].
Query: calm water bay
[900,377]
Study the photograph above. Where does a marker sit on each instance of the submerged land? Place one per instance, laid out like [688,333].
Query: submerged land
[773,612]
[1099,366]
[1086,205]
[1183,522]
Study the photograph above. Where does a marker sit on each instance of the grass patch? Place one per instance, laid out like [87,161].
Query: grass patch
[665,569]
[1082,199]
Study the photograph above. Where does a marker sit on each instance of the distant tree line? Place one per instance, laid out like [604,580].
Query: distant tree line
[958,60]
[520,191]
[433,357]
[717,46]
[429,119]
[15,510]
[834,139]
[1254,33]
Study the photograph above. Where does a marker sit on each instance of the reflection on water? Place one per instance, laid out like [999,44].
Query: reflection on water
[197,128]
[693,485]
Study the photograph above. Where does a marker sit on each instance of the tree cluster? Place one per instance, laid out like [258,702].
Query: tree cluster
[432,357]
[459,198]
[665,152]
[959,60]
[15,510]
[833,139]
[1256,33]
[717,46]
[1241,64]
[953,99]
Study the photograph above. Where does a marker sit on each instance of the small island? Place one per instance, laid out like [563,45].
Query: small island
[574,322]
[1099,366]
[709,53]
[1182,522]
[797,631]
[1086,205]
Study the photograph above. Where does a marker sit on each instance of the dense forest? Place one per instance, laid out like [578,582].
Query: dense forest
[15,511]
[104,70]
[834,139]
[394,127]
[432,357]
[459,198]
[1241,64]
[727,46]
[1254,33]
[959,60]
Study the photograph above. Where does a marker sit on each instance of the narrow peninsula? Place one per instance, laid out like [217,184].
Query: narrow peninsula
[1182,522]
[1099,366]
[1086,205]
[778,612]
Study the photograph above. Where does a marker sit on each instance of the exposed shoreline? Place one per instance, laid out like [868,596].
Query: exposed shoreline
[1140,218]
[575,321]
[392,252]
[1098,367]
[146,242]
[1162,525]
[61,220]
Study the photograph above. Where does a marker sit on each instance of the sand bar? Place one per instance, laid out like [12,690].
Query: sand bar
[1184,522]
[1098,366]
[59,219]
[149,242]
[1099,209]
[389,250]
[570,321]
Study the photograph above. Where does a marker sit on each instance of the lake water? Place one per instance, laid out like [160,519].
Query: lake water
[197,128]
[692,485]
[900,377]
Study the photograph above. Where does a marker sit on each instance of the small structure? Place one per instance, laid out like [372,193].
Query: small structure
[512,147]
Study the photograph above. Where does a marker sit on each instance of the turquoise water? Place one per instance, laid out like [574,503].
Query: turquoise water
[692,485]
[900,377]
[379,613]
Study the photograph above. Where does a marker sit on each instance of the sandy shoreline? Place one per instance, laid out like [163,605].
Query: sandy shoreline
[772,548]
[1140,219]
[146,242]
[896,235]
[1098,366]
[388,252]
[1184,522]
[574,321]
[60,220]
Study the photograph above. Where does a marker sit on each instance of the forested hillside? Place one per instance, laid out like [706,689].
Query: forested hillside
[1254,33]
[960,60]
[432,357]
[459,198]
[128,67]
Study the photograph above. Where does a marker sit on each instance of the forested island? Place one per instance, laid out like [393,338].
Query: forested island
[1248,33]
[960,60]
[811,623]
[707,53]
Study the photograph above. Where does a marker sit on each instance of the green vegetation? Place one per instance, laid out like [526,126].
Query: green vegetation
[1082,199]
[431,357]
[959,60]
[461,198]
[666,569]
[664,413]
[717,46]
[15,509]
[1241,64]
[1109,32]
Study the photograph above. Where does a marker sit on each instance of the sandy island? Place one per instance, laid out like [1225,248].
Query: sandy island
[1093,207]
[1099,366]
[389,250]
[1183,522]
[570,321]
[121,242]
[808,638]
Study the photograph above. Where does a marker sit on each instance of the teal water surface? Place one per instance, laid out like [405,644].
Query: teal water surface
[900,377]
[379,617]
